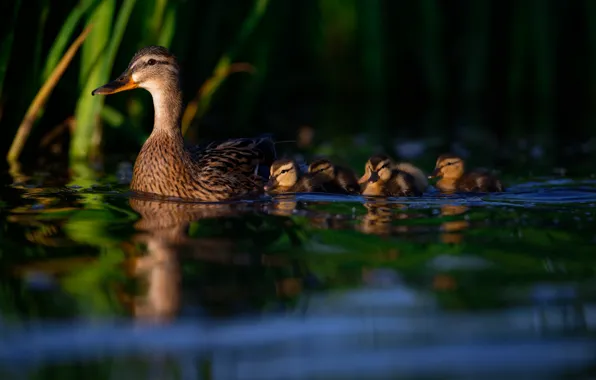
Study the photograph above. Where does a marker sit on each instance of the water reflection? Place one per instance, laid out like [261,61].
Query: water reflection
[163,230]
[283,205]
[302,286]
[452,229]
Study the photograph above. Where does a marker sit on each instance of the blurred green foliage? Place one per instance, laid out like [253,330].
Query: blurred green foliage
[487,73]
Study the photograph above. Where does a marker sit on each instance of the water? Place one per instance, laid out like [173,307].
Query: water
[97,283]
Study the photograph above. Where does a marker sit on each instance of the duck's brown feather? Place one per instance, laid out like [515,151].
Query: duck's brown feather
[480,180]
[220,171]
[400,184]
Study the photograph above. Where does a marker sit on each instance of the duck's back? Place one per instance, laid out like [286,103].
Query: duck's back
[402,184]
[307,183]
[420,180]
[346,181]
[481,180]
[246,156]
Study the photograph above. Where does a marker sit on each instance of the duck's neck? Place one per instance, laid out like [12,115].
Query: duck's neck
[167,102]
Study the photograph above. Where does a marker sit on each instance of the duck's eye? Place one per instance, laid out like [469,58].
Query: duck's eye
[284,171]
[151,62]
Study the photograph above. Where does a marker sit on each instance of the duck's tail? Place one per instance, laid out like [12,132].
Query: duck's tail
[419,177]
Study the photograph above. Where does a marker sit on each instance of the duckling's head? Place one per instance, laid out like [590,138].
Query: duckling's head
[377,168]
[448,166]
[283,174]
[323,168]
[151,68]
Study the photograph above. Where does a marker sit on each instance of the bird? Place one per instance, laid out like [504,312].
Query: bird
[453,177]
[420,181]
[166,166]
[382,178]
[285,177]
[334,178]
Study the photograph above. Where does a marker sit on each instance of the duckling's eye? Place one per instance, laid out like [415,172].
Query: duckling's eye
[151,62]
[284,171]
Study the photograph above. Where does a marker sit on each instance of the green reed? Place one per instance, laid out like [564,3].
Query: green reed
[354,52]
[99,52]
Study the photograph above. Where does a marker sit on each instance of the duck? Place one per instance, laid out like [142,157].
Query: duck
[166,166]
[286,177]
[420,179]
[453,177]
[334,178]
[383,178]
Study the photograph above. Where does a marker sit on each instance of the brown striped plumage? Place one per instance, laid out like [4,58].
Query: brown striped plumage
[219,171]
[334,178]
[453,177]
[383,178]
[286,177]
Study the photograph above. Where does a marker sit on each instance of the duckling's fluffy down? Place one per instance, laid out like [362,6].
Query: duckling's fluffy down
[419,177]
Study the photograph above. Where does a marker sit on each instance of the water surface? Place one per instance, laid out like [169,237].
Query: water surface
[97,283]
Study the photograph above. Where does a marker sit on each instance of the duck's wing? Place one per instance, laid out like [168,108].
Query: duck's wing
[481,180]
[214,185]
[246,156]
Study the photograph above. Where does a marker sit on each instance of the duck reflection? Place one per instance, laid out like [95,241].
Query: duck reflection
[452,229]
[237,275]
[379,218]
[163,229]
[283,205]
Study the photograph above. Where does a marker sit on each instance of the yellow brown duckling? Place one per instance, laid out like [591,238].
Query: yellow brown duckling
[334,178]
[381,178]
[453,177]
[165,166]
[285,177]
[420,179]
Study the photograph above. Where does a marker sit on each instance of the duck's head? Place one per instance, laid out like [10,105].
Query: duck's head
[151,68]
[323,168]
[448,166]
[283,174]
[377,168]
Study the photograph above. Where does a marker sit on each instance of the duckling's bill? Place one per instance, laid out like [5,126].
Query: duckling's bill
[125,82]
[436,173]
[271,184]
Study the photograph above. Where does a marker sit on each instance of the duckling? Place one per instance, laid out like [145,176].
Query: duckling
[451,169]
[334,178]
[381,178]
[165,166]
[420,180]
[285,177]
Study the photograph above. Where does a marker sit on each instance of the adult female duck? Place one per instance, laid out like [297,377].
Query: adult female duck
[165,166]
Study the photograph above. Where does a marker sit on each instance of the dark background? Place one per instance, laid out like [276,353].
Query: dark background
[512,83]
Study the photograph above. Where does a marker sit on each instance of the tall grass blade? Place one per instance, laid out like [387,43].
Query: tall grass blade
[68,29]
[200,104]
[6,46]
[155,22]
[41,97]
[168,25]
[98,61]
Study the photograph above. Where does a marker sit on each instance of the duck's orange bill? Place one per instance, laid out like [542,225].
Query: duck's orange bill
[123,83]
